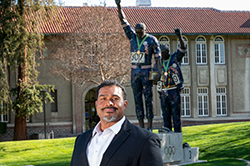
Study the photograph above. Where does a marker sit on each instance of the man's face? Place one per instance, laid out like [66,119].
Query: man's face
[110,104]
[140,33]
[165,53]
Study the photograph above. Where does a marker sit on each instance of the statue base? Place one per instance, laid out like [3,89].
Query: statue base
[173,152]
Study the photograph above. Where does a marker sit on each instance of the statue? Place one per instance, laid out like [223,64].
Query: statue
[171,84]
[142,47]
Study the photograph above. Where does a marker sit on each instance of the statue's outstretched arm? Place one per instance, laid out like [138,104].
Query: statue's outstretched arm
[121,14]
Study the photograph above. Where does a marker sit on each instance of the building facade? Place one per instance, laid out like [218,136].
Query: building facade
[215,70]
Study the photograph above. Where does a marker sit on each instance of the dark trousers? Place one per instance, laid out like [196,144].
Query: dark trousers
[171,109]
[141,85]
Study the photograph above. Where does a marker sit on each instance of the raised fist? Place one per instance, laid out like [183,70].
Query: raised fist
[177,31]
[117,2]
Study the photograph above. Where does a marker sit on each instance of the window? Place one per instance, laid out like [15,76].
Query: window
[185,59]
[45,52]
[4,111]
[4,117]
[201,50]
[185,103]
[164,40]
[202,101]
[54,104]
[92,60]
[221,101]
[94,51]
[219,50]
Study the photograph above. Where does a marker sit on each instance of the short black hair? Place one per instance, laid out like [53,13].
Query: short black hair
[164,47]
[140,26]
[111,82]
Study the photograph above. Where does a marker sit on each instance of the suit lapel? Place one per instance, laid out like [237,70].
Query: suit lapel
[116,143]
[84,144]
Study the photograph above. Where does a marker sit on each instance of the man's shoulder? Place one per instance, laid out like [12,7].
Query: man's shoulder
[152,38]
[85,134]
[178,52]
[126,25]
[137,131]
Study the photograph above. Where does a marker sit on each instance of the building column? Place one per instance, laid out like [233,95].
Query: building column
[212,79]
[193,71]
[73,107]
[247,86]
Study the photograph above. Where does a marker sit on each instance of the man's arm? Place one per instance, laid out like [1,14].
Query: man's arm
[179,35]
[183,47]
[121,14]
[158,60]
[151,155]
[159,69]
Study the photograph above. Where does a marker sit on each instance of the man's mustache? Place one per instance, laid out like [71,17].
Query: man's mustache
[109,108]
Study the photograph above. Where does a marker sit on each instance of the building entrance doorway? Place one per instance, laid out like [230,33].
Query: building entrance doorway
[90,112]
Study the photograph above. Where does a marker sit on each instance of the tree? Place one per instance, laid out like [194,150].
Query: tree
[95,47]
[20,39]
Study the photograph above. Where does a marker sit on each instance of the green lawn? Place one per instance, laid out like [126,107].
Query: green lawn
[54,152]
[219,144]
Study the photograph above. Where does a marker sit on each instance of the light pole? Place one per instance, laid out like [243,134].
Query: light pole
[44,113]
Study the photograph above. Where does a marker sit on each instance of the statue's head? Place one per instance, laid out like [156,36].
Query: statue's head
[140,30]
[165,52]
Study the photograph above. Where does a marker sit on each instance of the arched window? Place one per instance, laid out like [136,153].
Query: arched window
[164,40]
[185,59]
[219,50]
[201,50]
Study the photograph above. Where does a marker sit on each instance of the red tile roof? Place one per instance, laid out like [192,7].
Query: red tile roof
[163,20]
[77,19]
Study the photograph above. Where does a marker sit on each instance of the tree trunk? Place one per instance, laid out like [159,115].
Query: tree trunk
[20,129]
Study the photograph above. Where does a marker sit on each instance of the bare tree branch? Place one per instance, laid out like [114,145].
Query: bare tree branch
[96,48]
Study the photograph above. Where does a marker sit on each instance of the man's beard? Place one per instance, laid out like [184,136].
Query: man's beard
[110,118]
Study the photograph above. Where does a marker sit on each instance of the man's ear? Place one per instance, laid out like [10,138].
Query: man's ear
[125,104]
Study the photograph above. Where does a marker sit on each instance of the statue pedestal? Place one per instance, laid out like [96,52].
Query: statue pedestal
[171,147]
[173,152]
[190,155]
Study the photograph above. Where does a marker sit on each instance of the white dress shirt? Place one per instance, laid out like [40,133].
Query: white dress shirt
[100,142]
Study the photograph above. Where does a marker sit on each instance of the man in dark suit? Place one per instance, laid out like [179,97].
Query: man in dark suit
[115,141]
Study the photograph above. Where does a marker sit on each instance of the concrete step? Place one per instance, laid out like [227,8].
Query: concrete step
[190,155]
[171,147]
[173,152]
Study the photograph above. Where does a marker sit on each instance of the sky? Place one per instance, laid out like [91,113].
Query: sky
[241,5]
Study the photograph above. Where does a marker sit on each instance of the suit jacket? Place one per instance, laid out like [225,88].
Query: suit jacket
[132,146]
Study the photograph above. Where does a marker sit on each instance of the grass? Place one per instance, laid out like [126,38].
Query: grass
[219,144]
[54,152]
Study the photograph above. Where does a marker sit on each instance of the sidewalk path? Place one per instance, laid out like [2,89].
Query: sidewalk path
[248,162]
